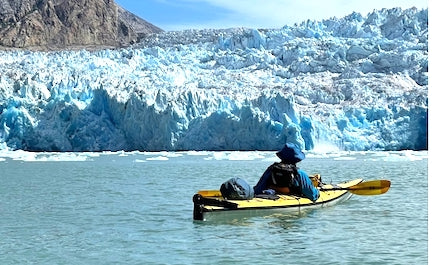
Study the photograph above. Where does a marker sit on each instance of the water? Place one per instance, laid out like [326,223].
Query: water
[136,208]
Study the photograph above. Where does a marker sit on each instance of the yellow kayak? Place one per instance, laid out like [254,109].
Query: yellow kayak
[208,203]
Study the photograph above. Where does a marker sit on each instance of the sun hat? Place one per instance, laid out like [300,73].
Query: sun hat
[290,154]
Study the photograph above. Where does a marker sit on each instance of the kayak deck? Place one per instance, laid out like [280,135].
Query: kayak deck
[204,206]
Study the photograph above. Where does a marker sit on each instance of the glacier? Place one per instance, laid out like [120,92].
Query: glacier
[354,83]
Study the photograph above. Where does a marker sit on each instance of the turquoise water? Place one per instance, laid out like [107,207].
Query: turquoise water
[136,208]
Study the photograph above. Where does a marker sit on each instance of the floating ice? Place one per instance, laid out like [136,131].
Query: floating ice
[25,156]
[158,158]
[344,158]
[270,157]
[236,156]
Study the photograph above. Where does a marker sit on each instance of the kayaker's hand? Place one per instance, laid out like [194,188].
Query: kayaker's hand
[269,192]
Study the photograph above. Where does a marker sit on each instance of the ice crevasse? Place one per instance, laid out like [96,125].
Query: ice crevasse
[357,83]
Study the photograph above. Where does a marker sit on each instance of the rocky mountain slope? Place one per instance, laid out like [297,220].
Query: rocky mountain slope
[59,24]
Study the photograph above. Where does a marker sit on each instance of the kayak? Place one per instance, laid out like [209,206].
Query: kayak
[209,203]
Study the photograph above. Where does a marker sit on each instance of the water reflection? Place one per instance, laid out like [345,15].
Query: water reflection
[283,218]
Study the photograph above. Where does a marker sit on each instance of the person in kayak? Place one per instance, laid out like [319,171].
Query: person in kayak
[285,178]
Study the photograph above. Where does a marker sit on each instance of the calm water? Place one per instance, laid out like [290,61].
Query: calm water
[136,208]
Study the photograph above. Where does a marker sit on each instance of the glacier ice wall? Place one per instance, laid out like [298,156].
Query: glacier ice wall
[358,83]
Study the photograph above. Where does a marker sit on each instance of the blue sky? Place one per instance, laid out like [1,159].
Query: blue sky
[219,14]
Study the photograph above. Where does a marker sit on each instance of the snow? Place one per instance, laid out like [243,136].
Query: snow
[352,83]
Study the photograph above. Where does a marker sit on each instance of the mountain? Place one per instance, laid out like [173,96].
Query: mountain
[60,24]
[351,83]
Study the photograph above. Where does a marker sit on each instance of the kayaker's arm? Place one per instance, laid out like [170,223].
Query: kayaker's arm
[307,187]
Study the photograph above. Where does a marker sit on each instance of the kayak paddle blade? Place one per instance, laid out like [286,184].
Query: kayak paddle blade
[210,193]
[374,187]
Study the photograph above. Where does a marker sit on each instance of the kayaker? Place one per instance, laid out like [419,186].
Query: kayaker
[285,177]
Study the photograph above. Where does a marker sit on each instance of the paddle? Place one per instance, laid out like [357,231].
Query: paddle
[210,193]
[373,187]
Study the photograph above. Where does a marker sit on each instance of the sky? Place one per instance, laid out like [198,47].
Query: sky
[220,14]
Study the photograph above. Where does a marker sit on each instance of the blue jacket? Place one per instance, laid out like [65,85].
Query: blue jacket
[306,185]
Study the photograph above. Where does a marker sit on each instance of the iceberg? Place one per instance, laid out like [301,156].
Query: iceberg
[353,83]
